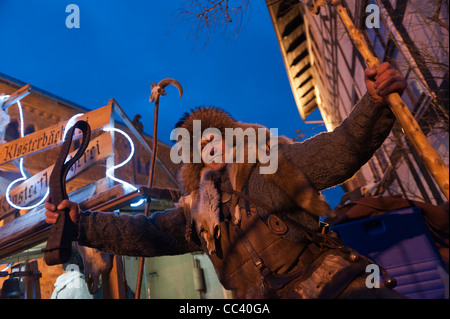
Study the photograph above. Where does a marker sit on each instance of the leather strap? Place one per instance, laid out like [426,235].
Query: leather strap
[313,236]
[247,198]
[323,240]
[59,244]
[273,280]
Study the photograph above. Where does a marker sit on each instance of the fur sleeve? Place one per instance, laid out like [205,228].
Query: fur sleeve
[163,233]
[331,158]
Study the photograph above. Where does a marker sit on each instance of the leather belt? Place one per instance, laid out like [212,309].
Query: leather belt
[59,244]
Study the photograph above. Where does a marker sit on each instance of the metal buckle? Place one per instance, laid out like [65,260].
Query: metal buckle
[324,227]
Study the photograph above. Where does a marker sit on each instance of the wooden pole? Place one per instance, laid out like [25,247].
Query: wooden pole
[137,293]
[430,157]
[114,283]
[157,91]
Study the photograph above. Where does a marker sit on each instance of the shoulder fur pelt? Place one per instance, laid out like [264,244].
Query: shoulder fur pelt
[204,207]
[206,210]
[288,178]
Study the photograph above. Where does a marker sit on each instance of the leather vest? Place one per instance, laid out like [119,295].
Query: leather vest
[255,248]
[276,257]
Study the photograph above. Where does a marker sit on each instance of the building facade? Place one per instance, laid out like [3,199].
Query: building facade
[164,277]
[326,72]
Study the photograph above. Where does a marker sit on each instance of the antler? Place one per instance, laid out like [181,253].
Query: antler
[158,89]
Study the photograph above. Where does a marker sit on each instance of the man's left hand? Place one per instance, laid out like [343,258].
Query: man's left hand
[383,81]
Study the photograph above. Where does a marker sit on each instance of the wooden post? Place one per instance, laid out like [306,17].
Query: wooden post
[157,91]
[430,157]
[32,284]
[114,284]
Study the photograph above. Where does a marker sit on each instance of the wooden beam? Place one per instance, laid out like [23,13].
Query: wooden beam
[26,231]
[16,96]
[31,229]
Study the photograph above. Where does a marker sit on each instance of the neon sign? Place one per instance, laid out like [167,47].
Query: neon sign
[21,169]
[70,123]
[110,170]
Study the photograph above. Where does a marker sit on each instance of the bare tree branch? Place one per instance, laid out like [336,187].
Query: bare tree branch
[208,15]
[436,18]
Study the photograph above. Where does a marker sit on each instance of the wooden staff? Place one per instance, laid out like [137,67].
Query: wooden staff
[157,91]
[430,157]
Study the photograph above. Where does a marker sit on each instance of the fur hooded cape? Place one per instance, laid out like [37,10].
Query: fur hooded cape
[210,117]
[201,186]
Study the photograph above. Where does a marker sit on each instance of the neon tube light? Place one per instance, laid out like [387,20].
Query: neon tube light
[108,171]
[24,177]
[70,123]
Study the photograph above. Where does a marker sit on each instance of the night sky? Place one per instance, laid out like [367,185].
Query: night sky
[122,47]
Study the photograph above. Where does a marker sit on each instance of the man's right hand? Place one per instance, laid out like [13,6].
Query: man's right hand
[52,215]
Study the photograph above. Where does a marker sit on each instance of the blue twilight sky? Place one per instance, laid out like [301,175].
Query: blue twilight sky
[123,46]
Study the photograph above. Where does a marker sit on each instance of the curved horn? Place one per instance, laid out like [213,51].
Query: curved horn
[163,83]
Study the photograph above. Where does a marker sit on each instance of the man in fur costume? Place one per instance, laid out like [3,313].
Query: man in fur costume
[261,231]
